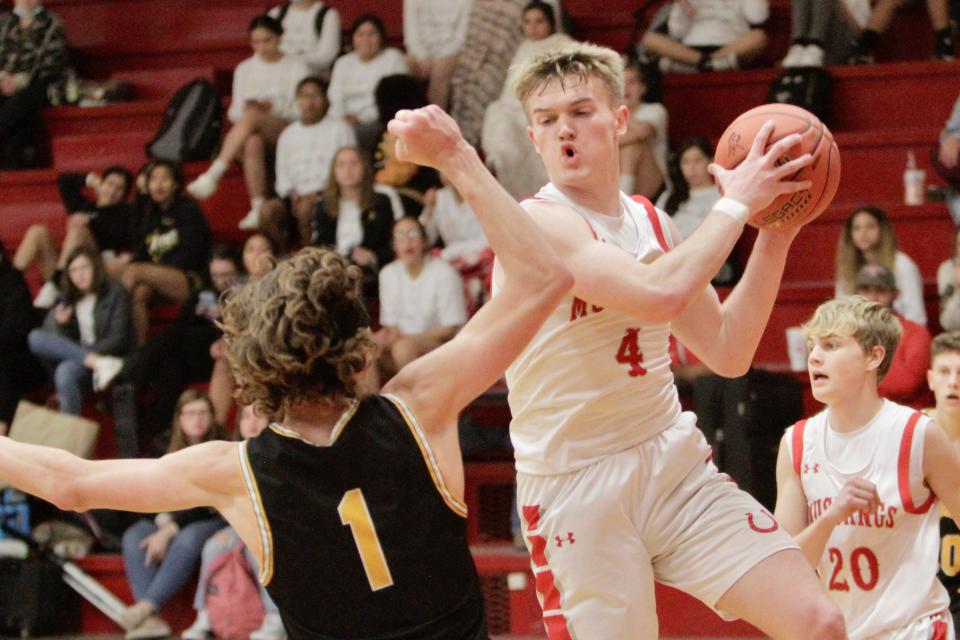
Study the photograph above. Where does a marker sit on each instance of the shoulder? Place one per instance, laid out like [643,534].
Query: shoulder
[904,262]
[391,55]
[292,132]
[442,269]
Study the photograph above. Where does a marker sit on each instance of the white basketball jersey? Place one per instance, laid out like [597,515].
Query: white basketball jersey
[593,381]
[881,567]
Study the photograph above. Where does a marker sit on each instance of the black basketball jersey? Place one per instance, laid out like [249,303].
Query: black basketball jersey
[949,572]
[362,539]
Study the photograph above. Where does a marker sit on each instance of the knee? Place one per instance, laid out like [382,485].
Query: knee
[273,211]
[824,620]
[68,374]
[34,338]
[757,39]
[253,146]
[38,232]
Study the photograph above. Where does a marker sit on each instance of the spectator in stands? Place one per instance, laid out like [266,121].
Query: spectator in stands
[509,152]
[949,156]
[693,194]
[161,553]
[356,75]
[882,16]
[17,366]
[823,31]
[305,152]
[643,148]
[421,300]
[948,287]
[264,90]
[311,32]
[868,238]
[259,253]
[171,257]
[710,35]
[33,52]
[492,40]
[107,223]
[352,217]
[447,218]
[433,33]
[906,382]
[91,321]
[175,357]
[224,541]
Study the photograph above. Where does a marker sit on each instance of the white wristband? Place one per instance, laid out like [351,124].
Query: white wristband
[733,208]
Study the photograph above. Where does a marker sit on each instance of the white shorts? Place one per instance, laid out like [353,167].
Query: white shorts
[600,536]
[935,627]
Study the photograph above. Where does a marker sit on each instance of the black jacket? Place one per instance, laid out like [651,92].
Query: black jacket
[114,227]
[177,237]
[16,310]
[377,224]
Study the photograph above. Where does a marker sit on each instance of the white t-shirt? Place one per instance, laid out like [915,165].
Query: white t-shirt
[693,212]
[455,223]
[435,28]
[909,303]
[354,81]
[714,23]
[432,300]
[276,82]
[300,37]
[84,310]
[655,114]
[349,227]
[305,153]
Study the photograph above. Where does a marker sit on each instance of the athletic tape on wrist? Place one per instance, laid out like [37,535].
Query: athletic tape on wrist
[733,208]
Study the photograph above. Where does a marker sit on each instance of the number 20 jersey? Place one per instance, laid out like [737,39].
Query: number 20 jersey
[593,381]
[879,567]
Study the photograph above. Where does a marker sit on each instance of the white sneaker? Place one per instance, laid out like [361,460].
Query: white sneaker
[794,56]
[200,629]
[203,186]
[104,371]
[812,56]
[271,629]
[251,221]
[47,296]
[152,627]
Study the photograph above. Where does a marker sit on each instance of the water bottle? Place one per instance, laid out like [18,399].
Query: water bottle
[913,182]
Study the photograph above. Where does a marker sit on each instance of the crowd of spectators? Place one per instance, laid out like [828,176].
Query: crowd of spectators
[308,130]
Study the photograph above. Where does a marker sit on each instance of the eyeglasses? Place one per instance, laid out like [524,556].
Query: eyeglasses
[412,234]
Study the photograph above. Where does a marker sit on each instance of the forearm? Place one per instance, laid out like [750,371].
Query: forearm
[813,540]
[44,472]
[514,237]
[748,307]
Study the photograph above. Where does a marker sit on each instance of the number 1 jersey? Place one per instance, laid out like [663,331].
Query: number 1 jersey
[593,381]
[879,567]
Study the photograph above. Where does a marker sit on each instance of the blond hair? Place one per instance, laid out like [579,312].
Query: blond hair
[850,259]
[871,324]
[946,342]
[581,59]
[298,334]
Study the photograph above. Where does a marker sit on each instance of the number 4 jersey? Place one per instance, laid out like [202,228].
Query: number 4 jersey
[593,381]
[879,567]
[362,538]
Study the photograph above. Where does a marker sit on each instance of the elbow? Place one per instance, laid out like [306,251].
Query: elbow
[67,496]
[732,369]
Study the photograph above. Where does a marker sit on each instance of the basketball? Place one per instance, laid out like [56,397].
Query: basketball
[797,208]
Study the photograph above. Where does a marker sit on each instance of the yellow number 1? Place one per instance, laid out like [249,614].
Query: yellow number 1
[354,513]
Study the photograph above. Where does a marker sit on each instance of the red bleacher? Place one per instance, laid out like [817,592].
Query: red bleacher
[879,113]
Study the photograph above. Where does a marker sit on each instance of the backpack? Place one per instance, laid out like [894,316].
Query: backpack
[191,124]
[806,87]
[233,597]
[318,23]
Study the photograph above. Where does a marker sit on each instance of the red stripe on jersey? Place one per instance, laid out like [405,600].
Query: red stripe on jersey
[556,627]
[532,516]
[903,469]
[939,630]
[547,589]
[538,548]
[798,445]
[654,221]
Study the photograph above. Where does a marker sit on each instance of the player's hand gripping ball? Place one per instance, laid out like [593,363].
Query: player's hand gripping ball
[800,207]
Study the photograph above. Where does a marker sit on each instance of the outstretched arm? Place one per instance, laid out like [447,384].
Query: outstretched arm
[658,292]
[440,384]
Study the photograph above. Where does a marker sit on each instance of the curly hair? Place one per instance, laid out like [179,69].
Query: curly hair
[299,334]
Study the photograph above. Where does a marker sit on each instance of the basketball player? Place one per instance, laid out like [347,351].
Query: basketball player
[352,505]
[615,486]
[858,483]
[944,380]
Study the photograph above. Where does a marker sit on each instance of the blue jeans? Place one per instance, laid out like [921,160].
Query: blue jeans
[156,584]
[225,540]
[63,358]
